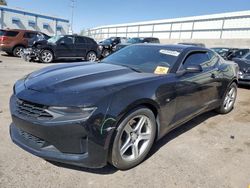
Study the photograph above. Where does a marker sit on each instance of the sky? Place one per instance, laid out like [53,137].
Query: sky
[92,13]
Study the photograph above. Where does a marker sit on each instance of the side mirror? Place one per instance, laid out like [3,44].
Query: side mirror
[193,69]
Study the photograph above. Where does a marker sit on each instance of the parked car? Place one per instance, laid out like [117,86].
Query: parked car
[223,51]
[108,45]
[137,40]
[63,47]
[193,44]
[89,114]
[237,53]
[230,53]
[13,41]
[244,67]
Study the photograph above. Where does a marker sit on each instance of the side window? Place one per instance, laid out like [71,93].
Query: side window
[156,40]
[80,40]
[89,41]
[28,35]
[198,58]
[67,40]
[11,33]
[213,59]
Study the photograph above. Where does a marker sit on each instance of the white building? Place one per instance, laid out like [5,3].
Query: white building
[218,29]
[13,18]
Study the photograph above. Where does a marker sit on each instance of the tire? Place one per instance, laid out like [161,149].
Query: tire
[134,138]
[46,56]
[106,52]
[91,56]
[17,51]
[228,100]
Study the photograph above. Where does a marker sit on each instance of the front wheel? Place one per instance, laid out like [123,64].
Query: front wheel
[46,56]
[134,138]
[228,100]
[91,56]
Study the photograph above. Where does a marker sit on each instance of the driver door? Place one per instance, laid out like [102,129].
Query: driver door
[193,90]
[65,47]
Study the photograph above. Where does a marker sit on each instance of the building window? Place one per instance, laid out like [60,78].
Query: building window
[15,20]
[45,26]
[59,28]
[32,23]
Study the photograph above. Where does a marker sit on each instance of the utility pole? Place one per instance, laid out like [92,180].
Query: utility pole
[72,6]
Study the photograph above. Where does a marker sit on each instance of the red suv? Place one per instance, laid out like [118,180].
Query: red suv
[13,41]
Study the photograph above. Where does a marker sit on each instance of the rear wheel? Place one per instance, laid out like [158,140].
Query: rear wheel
[228,99]
[46,56]
[17,51]
[91,56]
[134,138]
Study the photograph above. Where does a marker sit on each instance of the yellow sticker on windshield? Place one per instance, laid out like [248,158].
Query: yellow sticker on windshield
[161,70]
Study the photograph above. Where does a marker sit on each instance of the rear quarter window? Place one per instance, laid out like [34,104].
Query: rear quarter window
[11,33]
[90,41]
[2,32]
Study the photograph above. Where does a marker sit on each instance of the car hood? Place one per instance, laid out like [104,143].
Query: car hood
[104,43]
[80,77]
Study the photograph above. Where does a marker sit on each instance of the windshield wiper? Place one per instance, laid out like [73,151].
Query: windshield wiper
[134,69]
[131,68]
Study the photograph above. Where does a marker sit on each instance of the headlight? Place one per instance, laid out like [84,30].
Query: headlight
[69,114]
[240,74]
[100,47]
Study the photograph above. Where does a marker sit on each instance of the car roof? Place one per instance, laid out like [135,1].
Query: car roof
[23,30]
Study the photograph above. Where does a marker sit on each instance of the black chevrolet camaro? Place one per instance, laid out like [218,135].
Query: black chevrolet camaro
[88,114]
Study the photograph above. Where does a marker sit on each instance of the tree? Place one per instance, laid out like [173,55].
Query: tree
[3,2]
[84,32]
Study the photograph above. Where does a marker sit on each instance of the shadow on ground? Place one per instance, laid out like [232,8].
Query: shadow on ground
[244,86]
[109,169]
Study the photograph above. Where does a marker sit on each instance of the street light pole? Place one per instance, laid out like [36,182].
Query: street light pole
[72,6]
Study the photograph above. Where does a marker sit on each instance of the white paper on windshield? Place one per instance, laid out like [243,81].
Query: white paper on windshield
[169,52]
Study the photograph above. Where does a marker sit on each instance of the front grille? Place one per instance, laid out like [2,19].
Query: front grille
[32,110]
[39,142]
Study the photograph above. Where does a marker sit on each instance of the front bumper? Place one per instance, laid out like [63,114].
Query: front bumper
[30,54]
[70,143]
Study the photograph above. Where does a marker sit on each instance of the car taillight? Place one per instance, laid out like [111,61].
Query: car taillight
[3,38]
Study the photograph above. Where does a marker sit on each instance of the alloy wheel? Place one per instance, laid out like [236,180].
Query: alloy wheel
[46,56]
[18,51]
[135,138]
[91,56]
[230,98]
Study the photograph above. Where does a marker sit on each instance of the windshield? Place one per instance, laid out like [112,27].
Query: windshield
[145,58]
[54,39]
[135,40]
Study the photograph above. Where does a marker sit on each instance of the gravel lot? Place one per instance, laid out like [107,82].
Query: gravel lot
[210,151]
